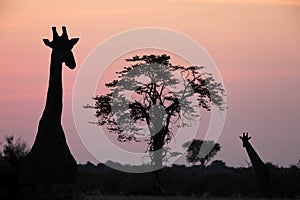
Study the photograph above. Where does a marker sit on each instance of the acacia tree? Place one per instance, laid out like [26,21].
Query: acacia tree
[201,151]
[154,93]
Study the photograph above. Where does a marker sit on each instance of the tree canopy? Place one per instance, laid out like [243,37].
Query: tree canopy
[155,94]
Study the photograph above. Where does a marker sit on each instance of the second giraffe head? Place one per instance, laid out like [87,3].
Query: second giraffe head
[62,47]
[245,139]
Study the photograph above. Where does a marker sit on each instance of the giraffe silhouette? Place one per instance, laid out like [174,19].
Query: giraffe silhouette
[50,160]
[261,170]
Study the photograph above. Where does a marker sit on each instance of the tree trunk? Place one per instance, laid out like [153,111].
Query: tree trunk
[156,150]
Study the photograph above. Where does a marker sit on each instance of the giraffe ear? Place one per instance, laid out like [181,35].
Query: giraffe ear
[47,43]
[73,41]
[241,137]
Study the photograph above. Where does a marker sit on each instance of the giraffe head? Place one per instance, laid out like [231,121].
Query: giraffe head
[62,47]
[245,138]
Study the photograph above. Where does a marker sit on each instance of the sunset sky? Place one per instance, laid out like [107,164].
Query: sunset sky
[254,43]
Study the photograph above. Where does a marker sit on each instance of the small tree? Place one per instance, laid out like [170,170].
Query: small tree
[201,151]
[10,153]
[218,164]
[14,149]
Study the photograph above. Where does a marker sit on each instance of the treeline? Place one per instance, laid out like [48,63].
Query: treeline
[214,180]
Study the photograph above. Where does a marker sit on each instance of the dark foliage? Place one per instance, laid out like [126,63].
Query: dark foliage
[214,180]
[10,155]
[201,151]
[13,149]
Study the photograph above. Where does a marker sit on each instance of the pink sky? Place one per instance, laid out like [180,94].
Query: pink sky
[255,44]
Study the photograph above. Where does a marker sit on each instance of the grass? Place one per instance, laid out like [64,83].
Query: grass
[112,197]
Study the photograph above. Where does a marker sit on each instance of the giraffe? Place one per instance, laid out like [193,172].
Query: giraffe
[261,170]
[50,160]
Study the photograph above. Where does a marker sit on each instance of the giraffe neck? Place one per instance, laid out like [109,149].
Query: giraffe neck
[258,165]
[53,108]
